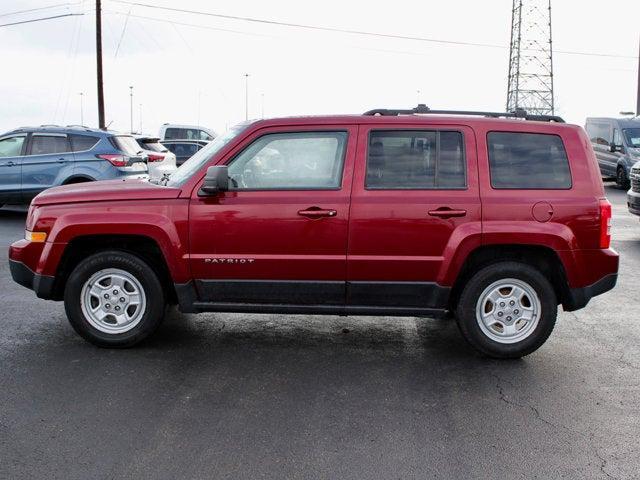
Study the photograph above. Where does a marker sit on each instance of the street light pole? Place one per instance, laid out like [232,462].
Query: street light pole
[262,105]
[131,105]
[81,110]
[101,123]
[638,95]
[246,96]
[140,107]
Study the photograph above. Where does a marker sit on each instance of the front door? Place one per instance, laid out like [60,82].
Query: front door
[415,197]
[47,156]
[279,235]
[12,148]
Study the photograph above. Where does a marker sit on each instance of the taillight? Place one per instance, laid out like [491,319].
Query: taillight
[155,158]
[115,160]
[605,224]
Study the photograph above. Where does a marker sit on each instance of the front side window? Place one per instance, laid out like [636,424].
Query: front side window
[11,146]
[49,144]
[415,159]
[528,161]
[290,161]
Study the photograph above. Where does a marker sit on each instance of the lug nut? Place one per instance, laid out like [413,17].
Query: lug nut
[508,318]
[106,295]
[512,303]
[500,314]
[115,292]
[516,311]
[502,304]
[108,305]
[122,299]
[117,308]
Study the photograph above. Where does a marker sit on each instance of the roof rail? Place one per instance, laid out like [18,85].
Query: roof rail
[423,109]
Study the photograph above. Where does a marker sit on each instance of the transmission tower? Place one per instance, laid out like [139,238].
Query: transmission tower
[530,58]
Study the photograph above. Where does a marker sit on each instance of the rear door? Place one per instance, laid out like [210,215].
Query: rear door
[415,195]
[12,148]
[49,158]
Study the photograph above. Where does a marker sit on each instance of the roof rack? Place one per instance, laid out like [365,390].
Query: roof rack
[423,109]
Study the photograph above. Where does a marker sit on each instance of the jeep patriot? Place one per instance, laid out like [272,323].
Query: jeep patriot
[496,218]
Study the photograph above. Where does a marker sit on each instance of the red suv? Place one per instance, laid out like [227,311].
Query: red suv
[496,218]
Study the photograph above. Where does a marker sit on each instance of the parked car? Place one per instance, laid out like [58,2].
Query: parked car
[183,149]
[170,131]
[496,220]
[33,159]
[160,161]
[633,195]
[616,142]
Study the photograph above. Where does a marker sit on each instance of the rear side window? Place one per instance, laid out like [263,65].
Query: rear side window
[183,149]
[599,132]
[528,161]
[80,143]
[415,159]
[186,134]
[47,144]
[126,144]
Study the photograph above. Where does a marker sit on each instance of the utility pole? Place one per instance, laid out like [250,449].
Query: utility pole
[262,104]
[246,96]
[140,107]
[81,110]
[131,105]
[638,95]
[101,123]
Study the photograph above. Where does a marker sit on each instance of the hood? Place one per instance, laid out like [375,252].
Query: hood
[106,190]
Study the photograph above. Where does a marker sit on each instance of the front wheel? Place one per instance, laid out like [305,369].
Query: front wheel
[114,299]
[622,181]
[507,310]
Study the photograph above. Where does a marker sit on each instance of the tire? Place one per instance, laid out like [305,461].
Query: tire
[622,181]
[504,279]
[120,285]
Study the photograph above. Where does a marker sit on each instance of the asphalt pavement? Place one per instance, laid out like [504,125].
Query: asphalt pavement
[236,396]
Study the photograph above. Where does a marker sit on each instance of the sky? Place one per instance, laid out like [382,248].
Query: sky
[188,68]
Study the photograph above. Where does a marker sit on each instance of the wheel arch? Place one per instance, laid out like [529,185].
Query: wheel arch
[142,246]
[543,258]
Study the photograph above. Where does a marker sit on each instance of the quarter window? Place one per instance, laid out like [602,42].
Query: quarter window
[290,161]
[11,146]
[416,159]
[49,144]
[528,161]
[80,143]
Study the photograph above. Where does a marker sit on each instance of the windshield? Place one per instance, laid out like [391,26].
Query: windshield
[195,163]
[126,144]
[633,137]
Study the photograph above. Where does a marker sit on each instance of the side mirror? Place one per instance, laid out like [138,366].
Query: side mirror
[216,180]
[615,148]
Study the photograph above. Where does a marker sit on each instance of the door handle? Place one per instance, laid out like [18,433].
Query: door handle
[317,212]
[447,212]
[62,160]
[10,163]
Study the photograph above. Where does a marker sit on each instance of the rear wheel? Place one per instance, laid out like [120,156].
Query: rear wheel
[114,299]
[507,310]
[622,180]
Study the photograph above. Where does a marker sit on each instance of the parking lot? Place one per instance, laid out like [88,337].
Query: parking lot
[268,396]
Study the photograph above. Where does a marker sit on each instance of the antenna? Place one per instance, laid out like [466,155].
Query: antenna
[530,84]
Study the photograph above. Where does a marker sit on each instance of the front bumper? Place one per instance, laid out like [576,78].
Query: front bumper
[41,284]
[633,202]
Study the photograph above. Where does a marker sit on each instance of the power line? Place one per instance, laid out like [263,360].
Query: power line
[38,9]
[355,32]
[41,19]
